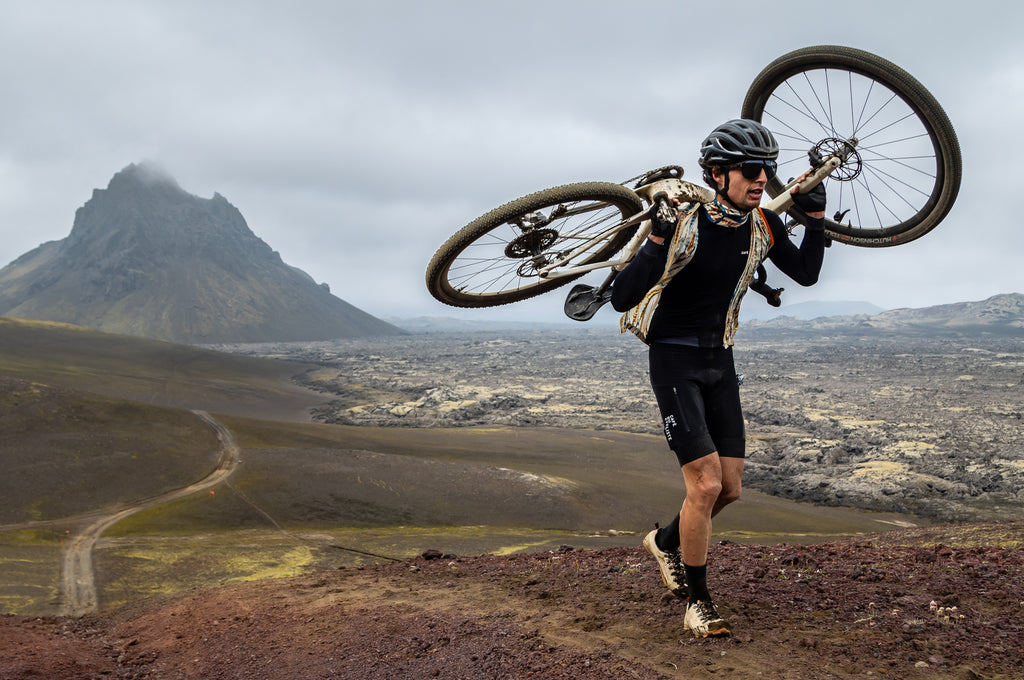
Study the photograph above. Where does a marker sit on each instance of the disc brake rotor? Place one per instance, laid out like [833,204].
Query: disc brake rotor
[850,168]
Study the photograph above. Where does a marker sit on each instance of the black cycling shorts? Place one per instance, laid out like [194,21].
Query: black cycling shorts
[699,398]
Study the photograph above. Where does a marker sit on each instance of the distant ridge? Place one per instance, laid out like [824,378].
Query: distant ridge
[807,310]
[998,315]
[146,258]
[447,324]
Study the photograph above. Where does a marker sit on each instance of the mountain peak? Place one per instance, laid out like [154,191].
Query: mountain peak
[145,257]
[145,173]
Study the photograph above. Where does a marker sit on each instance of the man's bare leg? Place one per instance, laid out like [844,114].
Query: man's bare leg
[712,483]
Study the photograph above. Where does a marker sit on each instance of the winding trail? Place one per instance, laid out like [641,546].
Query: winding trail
[78,580]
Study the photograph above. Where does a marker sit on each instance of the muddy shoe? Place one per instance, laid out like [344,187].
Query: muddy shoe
[703,620]
[670,564]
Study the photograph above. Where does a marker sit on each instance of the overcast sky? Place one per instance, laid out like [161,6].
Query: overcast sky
[355,137]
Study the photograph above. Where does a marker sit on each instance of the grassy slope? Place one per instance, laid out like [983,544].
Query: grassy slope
[150,371]
[91,420]
[67,452]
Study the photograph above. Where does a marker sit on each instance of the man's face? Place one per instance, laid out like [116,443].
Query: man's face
[743,193]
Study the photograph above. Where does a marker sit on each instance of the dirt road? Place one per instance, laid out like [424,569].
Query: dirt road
[78,581]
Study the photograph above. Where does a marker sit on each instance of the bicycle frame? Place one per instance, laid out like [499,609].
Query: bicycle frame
[685,192]
[875,132]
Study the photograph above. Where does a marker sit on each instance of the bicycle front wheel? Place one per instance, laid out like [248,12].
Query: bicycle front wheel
[903,170]
[496,258]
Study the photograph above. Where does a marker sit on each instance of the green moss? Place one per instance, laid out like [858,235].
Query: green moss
[29,572]
[219,510]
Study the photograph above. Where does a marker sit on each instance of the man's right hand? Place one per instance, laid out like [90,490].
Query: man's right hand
[663,218]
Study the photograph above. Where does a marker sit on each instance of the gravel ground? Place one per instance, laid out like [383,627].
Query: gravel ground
[938,602]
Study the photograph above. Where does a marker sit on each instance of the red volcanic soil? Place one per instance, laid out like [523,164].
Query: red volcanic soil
[941,602]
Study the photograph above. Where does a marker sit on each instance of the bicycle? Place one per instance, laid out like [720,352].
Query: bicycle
[863,124]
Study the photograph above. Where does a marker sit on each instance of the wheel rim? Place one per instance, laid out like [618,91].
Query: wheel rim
[505,261]
[892,181]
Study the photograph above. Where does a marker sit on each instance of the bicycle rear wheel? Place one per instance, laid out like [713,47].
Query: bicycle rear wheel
[904,171]
[495,259]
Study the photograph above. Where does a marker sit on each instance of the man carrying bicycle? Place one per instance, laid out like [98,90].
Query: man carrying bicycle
[681,295]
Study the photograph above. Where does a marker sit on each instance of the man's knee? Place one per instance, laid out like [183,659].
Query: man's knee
[705,490]
[732,480]
[729,494]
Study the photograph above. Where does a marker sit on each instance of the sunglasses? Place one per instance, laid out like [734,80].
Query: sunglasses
[752,169]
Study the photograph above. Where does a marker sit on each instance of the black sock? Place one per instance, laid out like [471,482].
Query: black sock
[667,538]
[697,583]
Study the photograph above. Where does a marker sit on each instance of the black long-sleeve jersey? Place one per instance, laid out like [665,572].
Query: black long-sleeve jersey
[695,302]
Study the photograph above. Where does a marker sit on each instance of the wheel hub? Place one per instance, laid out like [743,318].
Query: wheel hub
[531,243]
[850,168]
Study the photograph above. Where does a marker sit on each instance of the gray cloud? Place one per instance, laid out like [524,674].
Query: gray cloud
[355,137]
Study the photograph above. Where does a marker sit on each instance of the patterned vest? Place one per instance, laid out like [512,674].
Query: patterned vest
[681,250]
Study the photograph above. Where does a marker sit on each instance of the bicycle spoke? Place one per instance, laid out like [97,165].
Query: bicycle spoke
[506,259]
[897,172]
[900,165]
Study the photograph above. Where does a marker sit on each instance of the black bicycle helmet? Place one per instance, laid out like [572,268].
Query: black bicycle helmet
[733,142]
[736,141]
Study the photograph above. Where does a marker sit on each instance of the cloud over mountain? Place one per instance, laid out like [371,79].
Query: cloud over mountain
[145,257]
